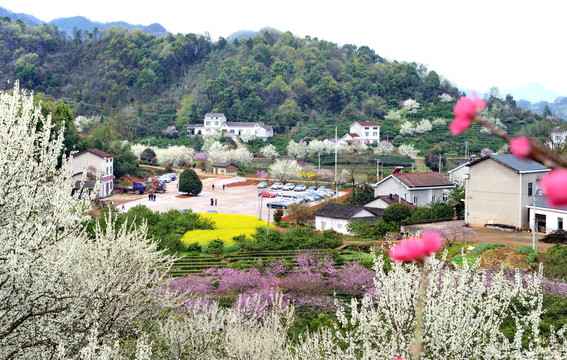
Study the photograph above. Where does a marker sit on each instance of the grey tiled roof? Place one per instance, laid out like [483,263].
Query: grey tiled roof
[542,203]
[340,211]
[222,164]
[515,163]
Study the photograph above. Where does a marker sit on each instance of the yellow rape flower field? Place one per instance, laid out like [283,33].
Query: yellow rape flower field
[226,226]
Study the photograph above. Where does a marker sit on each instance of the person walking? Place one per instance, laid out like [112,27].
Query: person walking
[216,202]
[149,197]
[223,187]
[154,196]
[212,201]
[123,207]
[213,186]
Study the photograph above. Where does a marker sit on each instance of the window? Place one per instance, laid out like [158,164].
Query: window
[216,123]
[366,128]
[366,134]
[445,196]
[415,200]
[323,224]
[208,123]
[433,198]
[339,226]
[530,189]
[559,223]
[374,134]
[375,128]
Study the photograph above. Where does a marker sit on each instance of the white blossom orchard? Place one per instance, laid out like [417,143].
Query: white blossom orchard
[56,283]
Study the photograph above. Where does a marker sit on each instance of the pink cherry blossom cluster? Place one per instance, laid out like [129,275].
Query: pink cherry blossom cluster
[417,248]
[554,184]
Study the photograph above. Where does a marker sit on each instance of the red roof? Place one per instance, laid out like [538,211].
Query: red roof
[426,179]
[96,152]
[366,123]
[353,135]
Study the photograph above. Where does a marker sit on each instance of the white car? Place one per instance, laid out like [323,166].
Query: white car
[288,186]
[276,186]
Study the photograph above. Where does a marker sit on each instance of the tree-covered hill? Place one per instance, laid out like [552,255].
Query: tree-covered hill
[141,84]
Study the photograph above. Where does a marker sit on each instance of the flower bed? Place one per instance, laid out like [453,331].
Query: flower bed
[227,226]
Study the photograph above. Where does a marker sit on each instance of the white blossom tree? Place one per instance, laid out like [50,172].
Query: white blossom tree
[56,282]
[445,98]
[269,151]
[494,121]
[411,106]
[174,155]
[246,137]
[138,149]
[384,148]
[407,129]
[296,150]
[241,156]
[393,115]
[284,169]
[407,150]
[423,126]
[439,122]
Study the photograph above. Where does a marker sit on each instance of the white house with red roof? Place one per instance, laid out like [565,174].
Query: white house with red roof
[215,122]
[417,188]
[97,165]
[366,132]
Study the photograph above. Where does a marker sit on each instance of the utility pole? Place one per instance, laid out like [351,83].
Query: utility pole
[440,156]
[377,169]
[336,149]
[467,149]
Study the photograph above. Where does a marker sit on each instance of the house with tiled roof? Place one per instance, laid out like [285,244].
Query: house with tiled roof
[368,131]
[383,201]
[225,168]
[214,122]
[416,188]
[498,189]
[337,216]
[96,165]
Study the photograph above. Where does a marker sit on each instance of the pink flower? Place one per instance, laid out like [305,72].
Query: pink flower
[398,358]
[554,185]
[416,248]
[521,146]
[465,112]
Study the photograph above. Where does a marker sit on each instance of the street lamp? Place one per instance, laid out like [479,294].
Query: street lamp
[377,169]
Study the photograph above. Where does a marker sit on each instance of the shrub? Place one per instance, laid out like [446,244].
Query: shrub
[215,247]
[396,213]
[278,215]
[525,250]
[532,257]
[556,261]
[193,247]
[481,247]
[190,183]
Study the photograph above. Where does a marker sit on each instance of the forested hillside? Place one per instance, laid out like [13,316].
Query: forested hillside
[140,84]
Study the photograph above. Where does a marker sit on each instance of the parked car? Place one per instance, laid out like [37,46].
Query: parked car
[308,197]
[312,188]
[172,176]
[293,197]
[288,186]
[276,186]
[268,194]
[323,187]
[300,187]
[262,185]
[165,178]
[280,204]
[314,195]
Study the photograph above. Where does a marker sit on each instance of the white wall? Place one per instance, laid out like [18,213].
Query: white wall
[339,225]
[551,219]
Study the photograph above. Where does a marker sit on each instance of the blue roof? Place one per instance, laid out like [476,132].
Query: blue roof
[515,163]
[542,203]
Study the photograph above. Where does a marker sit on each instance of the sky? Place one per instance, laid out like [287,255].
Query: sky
[475,44]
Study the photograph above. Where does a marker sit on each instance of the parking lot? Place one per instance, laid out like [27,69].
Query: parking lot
[233,200]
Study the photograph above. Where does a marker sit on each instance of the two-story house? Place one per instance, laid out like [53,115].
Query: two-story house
[214,122]
[98,165]
[417,188]
[499,187]
[366,132]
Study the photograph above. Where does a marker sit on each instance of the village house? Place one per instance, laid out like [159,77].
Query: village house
[383,201]
[418,188]
[366,132]
[97,165]
[214,122]
[225,168]
[558,137]
[548,218]
[337,216]
[499,187]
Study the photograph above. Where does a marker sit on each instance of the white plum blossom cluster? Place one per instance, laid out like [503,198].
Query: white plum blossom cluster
[220,153]
[284,169]
[246,137]
[423,126]
[57,282]
[174,155]
[439,122]
[297,150]
[355,147]
[269,151]
[84,124]
[407,129]
[384,148]
[445,98]
[463,311]
[411,106]
[393,115]
[495,122]
[407,150]
[138,149]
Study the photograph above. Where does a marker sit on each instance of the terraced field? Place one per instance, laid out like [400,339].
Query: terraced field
[192,265]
